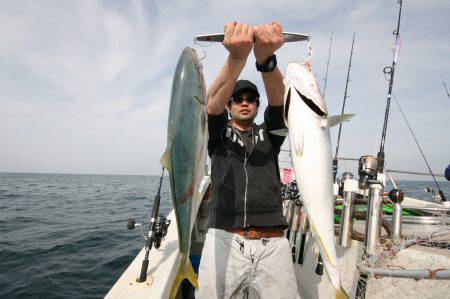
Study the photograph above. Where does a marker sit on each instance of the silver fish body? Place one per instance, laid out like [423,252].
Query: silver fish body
[306,118]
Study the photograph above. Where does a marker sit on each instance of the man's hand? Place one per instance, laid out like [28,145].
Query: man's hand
[238,40]
[268,39]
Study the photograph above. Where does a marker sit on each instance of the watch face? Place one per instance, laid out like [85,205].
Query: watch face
[271,65]
[268,66]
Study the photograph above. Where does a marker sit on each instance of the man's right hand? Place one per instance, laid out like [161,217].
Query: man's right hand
[238,40]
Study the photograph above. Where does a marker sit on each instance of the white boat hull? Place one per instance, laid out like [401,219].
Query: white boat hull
[163,263]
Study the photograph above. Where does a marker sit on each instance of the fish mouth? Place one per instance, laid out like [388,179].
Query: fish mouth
[310,103]
[286,105]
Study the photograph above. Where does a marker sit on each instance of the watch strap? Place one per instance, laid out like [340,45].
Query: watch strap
[268,66]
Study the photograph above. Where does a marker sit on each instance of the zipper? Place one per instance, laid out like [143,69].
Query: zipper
[245,170]
[245,194]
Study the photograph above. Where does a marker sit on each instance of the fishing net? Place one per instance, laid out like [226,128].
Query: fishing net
[415,266]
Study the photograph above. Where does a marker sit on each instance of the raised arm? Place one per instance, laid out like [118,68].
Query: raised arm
[268,39]
[239,42]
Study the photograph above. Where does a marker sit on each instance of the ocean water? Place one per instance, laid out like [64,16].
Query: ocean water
[65,236]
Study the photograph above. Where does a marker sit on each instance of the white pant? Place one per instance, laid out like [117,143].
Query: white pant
[235,267]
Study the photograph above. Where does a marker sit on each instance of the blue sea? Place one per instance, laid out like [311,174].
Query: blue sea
[65,236]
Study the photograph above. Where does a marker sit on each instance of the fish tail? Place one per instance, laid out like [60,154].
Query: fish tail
[183,271]
[340,294]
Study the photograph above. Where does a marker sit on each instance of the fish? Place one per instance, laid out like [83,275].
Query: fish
[186,154]
[307,123]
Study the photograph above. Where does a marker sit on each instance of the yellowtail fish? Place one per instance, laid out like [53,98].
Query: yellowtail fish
[307,120]
[185,156]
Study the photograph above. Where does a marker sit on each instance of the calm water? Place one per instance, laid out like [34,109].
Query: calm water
[65,235]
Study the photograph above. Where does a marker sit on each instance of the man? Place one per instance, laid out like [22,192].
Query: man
[245,253]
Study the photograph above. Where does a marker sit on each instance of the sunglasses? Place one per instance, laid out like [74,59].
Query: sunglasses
[240,99]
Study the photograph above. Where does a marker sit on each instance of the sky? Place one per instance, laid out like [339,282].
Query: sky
[85,85]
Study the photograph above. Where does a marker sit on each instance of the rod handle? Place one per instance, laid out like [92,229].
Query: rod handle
[302,249]
[143,276]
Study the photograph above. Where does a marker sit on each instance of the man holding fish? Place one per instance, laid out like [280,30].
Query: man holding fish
[245,253]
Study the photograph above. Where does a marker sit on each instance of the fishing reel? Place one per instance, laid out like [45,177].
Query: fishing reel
[367,171]
[283,191]
[396,195]
[162,224]
[293,191]
[131,224]
[345,176]
[436,194]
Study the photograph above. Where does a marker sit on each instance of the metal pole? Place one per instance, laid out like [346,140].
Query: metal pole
[374,216]
[346,227]
[335,160]
[397,221]
[412,273]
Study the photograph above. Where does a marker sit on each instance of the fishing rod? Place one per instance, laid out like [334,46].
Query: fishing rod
[445,87]
[390,71]
[157,230]
[335,160]
[328,64]
[362,280]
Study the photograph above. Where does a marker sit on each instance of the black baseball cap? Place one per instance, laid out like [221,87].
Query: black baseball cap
[244,85]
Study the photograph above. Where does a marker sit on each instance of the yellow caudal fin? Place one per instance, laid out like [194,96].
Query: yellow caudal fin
[188,273]
[166,161]
[340,294]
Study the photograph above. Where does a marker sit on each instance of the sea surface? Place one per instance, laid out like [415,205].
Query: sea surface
[65,236]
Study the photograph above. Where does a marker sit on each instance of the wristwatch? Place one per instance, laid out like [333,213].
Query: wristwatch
[268,66]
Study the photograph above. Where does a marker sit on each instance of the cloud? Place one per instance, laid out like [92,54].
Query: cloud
[86,84]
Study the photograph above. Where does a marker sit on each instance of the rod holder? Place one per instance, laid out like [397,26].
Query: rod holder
[397,196]
[374,214]
[349,195]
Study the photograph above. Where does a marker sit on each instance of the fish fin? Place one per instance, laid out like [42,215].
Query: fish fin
[183,271]
[322,246]
[298,146]
[340,294]
[199,100]
[166,161]
[337,119]
[280,132]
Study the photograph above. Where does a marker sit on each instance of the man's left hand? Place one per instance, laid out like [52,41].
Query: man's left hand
[268,39]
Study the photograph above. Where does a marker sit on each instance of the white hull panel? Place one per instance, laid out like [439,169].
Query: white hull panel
[163,263]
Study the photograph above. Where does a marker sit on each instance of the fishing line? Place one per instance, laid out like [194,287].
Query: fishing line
[206,45]
[418,145]
[445,87]
[309,53]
